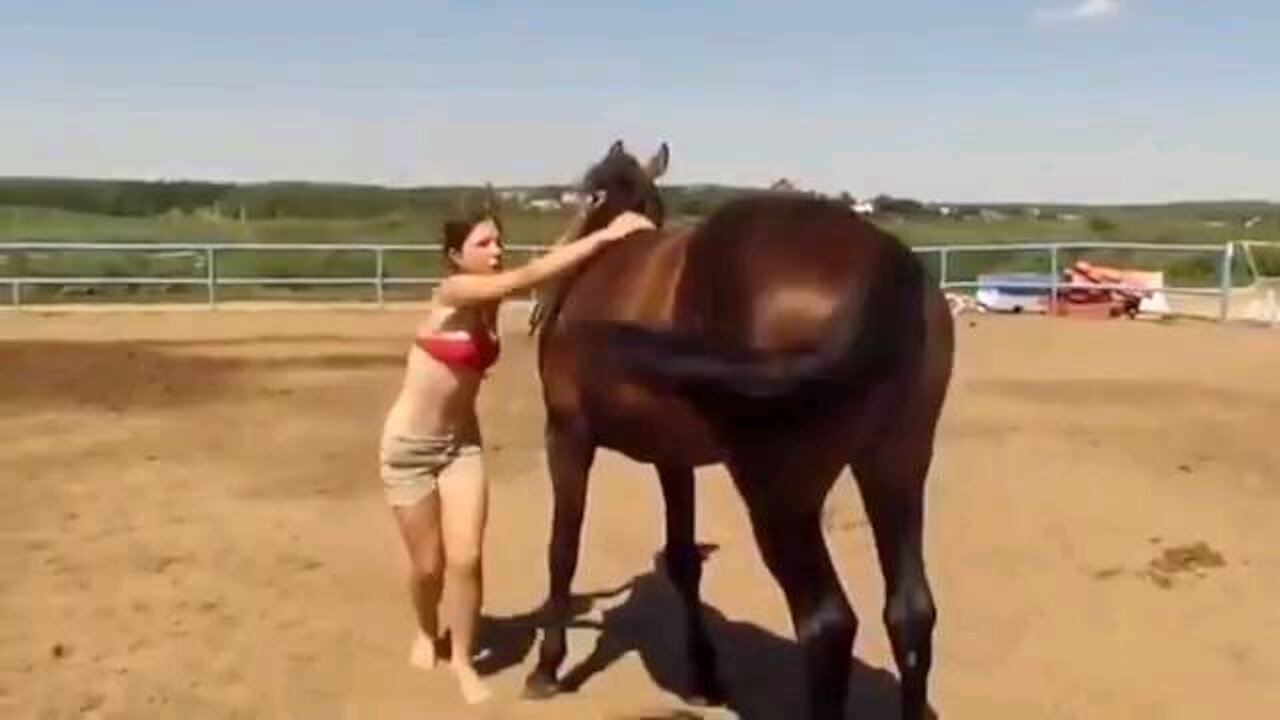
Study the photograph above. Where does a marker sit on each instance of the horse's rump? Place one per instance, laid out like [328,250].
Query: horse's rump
[785,304]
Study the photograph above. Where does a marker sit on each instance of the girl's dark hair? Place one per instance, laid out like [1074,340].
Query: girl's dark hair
[456,230]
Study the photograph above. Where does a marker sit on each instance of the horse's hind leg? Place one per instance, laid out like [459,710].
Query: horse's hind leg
[569,458]
[684,566]
[786,517]
[891,478]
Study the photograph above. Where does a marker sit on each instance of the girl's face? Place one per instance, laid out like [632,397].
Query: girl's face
[481,252]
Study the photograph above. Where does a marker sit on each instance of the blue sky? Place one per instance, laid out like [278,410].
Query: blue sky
[1037,100]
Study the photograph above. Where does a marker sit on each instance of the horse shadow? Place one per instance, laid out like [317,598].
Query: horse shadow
[761,672]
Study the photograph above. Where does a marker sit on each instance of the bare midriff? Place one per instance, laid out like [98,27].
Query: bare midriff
[438,395]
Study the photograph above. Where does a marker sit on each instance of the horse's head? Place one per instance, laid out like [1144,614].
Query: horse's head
[627,185]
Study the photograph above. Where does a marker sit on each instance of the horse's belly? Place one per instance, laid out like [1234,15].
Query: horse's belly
[654,429]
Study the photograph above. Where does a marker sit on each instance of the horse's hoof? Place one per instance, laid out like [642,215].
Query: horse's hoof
[702,700]
[707,694]
[540,686]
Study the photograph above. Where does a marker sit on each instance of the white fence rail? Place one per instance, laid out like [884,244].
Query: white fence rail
[208,256]
[209,253]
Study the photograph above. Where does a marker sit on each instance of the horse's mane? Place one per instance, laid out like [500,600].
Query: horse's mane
[550,296]
[546,310]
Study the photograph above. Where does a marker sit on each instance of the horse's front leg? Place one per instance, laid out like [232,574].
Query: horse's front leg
[569,458]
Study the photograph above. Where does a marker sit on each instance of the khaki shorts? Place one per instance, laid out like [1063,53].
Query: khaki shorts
[411,466]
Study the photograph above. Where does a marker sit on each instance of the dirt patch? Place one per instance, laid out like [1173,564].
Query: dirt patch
[192,527]
[1190,559]
[127,376]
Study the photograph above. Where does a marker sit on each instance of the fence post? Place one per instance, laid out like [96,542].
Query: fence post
[381,264]
[19,269]
[211,276]
[1053,279]
[943,257]
[1228,254]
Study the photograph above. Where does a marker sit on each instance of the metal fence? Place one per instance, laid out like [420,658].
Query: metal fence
[212,280]
[1053,252]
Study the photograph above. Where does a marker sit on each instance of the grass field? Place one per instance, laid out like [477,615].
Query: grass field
[48,225]
[1171,225]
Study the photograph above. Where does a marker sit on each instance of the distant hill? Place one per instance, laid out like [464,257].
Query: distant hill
[1186,210]
[130,198]
[270,200]
[354,201]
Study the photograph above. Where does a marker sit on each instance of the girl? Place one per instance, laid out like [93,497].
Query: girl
[430,450]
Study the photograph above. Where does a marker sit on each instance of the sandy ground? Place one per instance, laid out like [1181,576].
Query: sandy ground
[192,528]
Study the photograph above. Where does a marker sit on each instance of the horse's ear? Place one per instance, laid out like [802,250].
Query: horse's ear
[657,165]
[616,149]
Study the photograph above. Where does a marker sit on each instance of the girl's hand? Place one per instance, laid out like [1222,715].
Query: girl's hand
[623,225]
[580,216]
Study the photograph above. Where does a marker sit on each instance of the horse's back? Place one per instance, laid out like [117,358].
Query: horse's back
[783,273]
[766,273]
[770,271]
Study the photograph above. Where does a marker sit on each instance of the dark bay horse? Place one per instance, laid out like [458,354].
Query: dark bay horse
[786,338]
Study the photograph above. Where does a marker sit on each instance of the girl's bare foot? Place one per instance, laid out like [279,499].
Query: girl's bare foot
[423,654]
[474,690]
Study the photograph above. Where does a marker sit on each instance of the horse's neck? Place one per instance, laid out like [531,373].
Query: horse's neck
[649,274]
[552,295]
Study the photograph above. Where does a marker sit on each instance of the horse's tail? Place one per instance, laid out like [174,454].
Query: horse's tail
[868,333]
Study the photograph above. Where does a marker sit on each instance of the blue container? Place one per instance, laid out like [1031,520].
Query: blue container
[1001,291]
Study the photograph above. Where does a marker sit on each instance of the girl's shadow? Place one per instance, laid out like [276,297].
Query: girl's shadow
[761,672]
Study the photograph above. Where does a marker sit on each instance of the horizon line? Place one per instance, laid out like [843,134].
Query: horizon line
[685,184]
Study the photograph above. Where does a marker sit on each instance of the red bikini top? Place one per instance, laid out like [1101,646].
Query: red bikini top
[477,351]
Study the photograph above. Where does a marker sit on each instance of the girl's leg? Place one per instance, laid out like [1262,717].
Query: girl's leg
[420,529]
[464,502]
